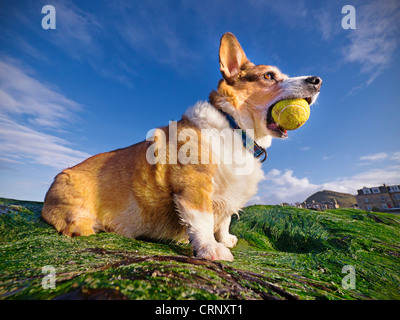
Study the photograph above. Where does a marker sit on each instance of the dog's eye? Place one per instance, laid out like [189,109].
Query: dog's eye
[269,76]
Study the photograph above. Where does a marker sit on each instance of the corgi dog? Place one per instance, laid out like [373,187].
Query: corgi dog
[149,191]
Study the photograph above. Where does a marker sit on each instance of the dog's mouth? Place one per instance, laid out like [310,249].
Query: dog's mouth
[276,130]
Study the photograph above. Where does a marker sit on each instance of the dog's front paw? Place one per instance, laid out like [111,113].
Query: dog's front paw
[215,251]
[229,240]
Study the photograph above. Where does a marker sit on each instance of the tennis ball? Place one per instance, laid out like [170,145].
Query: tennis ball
[291,114]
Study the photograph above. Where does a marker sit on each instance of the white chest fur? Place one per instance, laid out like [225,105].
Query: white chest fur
[238,173]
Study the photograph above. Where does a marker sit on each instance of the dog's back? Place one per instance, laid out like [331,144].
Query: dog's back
[119,191]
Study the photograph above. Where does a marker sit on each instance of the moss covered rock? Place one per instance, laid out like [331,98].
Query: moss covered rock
[283,253]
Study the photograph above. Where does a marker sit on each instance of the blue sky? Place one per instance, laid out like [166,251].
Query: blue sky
[112,70]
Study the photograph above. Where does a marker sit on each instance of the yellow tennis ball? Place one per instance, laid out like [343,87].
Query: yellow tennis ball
[291,114]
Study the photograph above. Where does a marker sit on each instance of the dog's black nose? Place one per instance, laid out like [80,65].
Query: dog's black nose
[315,81]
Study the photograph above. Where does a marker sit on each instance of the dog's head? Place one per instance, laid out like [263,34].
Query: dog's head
[248,92]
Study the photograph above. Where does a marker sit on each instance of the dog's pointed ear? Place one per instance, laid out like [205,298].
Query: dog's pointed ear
[231,57]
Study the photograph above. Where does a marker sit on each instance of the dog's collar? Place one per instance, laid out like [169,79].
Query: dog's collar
[248,142]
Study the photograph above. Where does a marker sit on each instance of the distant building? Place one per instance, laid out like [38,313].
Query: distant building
[319,206]
[382,198]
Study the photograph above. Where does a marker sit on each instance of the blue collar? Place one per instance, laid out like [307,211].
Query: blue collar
[248,142]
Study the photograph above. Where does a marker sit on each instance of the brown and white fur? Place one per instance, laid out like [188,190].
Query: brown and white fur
[121,192]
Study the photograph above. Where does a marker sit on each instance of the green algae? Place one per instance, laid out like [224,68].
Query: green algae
[282,253]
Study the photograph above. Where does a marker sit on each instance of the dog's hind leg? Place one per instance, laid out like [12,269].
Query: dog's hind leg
[70,222]
[67,209]
[79,227]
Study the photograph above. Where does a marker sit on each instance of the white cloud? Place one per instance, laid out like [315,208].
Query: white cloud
[21,94]
[369,178]
[77,32]
[27,108]
[395,156]
[325,23]
[19,141]
[374,157]
[279,186]
[372,44]
[375,39]
[283,186]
